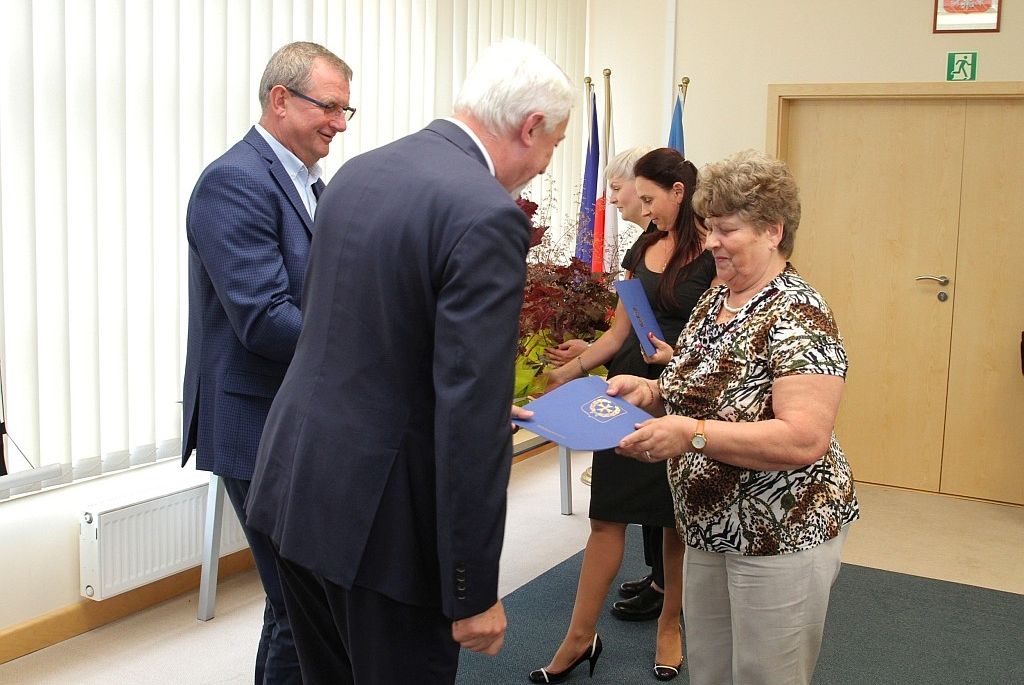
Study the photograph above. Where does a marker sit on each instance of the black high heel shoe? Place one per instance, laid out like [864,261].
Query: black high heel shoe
[543,675]
[662,672]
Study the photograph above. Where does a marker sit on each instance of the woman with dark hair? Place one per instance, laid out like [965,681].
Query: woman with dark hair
[670,261]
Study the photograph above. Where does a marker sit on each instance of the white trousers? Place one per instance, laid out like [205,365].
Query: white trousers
[757,620]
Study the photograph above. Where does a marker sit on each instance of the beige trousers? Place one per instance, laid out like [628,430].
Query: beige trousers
[757,620]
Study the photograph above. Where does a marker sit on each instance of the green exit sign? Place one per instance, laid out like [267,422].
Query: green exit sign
[962,66]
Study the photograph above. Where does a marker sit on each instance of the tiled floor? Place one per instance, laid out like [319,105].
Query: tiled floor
[929,535]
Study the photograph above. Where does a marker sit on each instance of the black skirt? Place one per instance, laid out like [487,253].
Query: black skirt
[625,490]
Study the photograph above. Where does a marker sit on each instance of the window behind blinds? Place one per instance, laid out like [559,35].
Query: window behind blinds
[109,110]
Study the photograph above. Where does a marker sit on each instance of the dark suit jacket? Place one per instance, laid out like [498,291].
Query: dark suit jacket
[387,452]
[248,235]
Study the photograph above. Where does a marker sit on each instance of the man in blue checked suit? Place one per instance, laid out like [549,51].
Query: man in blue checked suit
[249,224]
[383,470]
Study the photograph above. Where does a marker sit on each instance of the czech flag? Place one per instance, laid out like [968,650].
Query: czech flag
[597,234]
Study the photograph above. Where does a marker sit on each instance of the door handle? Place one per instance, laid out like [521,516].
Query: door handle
[943,280]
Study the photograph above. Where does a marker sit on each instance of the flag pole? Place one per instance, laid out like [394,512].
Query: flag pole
[588,88]
[606,132]
[683,85]
[609,239]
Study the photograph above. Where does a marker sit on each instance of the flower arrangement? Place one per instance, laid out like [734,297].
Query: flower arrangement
[565,301]
[562,299]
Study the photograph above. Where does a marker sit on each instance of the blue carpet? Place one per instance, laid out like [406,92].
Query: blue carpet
[883,628]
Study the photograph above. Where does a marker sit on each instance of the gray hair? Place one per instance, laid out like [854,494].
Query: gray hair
[756,187]
[511,81]
[292,66]
[622,164]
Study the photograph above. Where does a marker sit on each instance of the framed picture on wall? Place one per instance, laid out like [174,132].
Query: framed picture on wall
[967,16]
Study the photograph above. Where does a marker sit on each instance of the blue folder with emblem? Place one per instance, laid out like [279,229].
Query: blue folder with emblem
[638,309]
[582,416]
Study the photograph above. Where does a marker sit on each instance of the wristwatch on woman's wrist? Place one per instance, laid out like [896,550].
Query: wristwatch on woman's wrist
[698,441]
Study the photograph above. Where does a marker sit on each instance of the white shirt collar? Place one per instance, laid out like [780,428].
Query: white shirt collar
[476,139]
[302,176]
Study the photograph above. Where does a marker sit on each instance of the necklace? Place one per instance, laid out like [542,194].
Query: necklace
[725,304]
[662,251]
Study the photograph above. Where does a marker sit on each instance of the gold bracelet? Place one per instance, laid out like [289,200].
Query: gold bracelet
[650,393]
[583,369]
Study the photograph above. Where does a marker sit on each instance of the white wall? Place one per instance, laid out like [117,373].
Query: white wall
[731,50]
[735,49]
[634,41]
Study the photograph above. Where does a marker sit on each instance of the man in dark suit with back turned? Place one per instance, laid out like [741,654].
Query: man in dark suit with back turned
[248,224]
[383,469]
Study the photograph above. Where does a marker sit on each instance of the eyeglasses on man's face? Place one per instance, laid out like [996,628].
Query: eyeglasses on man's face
[332,111]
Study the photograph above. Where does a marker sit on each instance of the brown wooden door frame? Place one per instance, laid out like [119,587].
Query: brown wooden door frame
[781,96]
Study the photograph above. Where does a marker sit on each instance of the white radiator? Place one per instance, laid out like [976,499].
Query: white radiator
[125,544]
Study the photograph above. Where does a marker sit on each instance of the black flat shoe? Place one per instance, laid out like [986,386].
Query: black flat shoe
[632,588]
[643,607]
[543,675]
[662,672]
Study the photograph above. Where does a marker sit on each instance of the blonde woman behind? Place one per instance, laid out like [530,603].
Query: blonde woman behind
[642,598]
[675,271]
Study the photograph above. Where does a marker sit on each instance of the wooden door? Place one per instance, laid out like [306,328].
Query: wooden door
[906,181]
[984,446]
[874,219]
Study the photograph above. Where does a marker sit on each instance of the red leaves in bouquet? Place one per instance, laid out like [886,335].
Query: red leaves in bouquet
[560,301]
[564,302]
[530,209]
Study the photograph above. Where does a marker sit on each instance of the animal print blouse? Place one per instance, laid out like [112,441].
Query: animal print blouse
[725,372]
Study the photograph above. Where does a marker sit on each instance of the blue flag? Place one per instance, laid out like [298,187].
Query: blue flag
[585,226]
[675,132]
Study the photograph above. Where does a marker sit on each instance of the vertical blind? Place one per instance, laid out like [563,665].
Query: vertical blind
[109,110]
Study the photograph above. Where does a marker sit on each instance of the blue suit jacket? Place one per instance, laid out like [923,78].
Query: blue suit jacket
[387,452]
[248,235]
